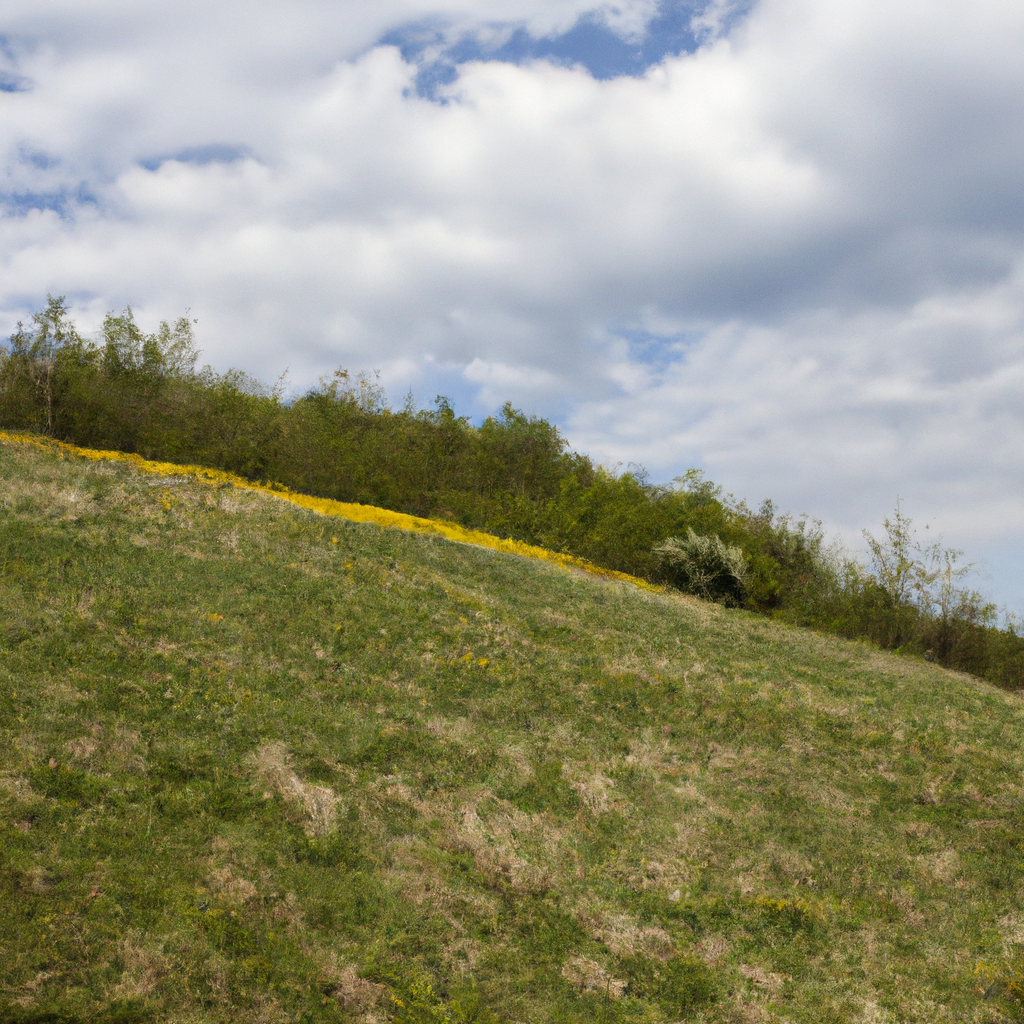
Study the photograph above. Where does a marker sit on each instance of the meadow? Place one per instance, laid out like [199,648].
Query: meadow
[262,764]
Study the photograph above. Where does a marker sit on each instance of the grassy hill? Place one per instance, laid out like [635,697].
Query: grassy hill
[262,765]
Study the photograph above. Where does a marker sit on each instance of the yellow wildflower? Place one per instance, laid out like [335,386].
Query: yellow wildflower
[329,507]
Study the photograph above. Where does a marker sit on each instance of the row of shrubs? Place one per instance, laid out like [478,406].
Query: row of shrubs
[513,475]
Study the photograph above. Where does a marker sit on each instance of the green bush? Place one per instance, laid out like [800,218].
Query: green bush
[704,566]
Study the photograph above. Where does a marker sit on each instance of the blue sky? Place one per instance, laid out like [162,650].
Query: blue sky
[782,240]
[591,42]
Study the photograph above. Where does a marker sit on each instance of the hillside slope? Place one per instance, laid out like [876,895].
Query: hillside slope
[261,765]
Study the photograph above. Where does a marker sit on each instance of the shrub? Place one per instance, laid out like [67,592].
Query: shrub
[704,566]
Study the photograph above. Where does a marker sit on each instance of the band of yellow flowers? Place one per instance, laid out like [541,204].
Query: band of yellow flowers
[328,507]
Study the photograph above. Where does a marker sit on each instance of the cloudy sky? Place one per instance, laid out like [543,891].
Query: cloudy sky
[779,239]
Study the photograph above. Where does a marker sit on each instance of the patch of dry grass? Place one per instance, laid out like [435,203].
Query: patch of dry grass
[318,804]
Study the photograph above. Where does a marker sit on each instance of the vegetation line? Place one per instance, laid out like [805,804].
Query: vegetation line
[510,484]
[351,511]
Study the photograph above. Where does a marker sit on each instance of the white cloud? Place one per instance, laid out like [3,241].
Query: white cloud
[816,223]
[839,414]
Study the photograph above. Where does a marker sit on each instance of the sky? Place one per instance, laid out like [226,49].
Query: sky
[781,240]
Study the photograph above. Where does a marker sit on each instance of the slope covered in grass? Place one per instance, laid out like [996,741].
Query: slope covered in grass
[262,765]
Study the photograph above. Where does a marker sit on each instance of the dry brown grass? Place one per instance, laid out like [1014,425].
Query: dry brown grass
[713,948]
[653,753]
[942,867]
[498,844]
[144,966]
[36,879]
[225,883]
[587,975]
[765,980]
[318,804]
[624,937]
[20,789]
[596,791]
[356,994]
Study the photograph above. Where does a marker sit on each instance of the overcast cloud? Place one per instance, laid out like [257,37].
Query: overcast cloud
[782,240]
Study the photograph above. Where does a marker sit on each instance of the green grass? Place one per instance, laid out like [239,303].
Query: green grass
[259,765]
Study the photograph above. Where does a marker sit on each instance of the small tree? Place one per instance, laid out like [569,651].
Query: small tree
[34,355]
[171,352]
[922,583]
[704,566]
[893,560]
[912,573]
